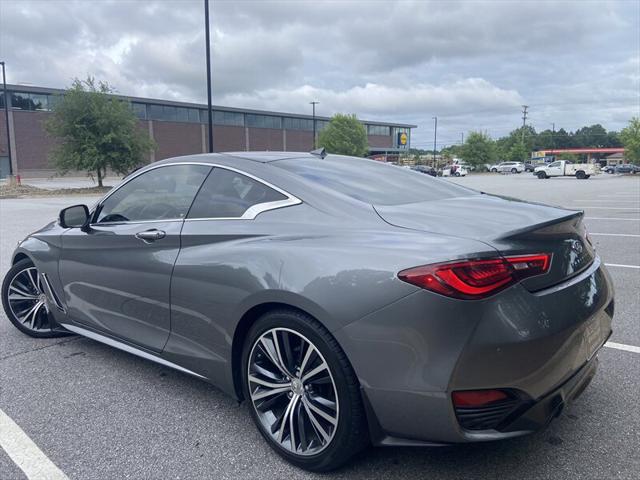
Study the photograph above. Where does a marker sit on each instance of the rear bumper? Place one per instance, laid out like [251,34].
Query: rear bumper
[532,415]
[411,355]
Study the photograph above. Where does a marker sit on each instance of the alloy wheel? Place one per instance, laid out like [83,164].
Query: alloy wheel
[27,300]
[293,391]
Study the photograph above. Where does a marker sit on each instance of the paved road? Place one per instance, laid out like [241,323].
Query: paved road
[100,413]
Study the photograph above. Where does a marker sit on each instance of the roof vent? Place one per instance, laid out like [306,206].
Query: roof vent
[320,152]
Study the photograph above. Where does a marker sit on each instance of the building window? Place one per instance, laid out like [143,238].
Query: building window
[220,117]
[182,114]
[264,121]
[29,101]
[140,110]
[378,130]
[321,124]
[289,123]
[162,112]
[54,99]
[194,115]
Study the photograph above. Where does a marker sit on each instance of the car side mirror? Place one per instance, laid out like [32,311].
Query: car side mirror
[76,216]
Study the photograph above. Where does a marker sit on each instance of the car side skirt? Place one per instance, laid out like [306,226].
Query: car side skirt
[127,348]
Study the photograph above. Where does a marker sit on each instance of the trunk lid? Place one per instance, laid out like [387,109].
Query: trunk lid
[511,226]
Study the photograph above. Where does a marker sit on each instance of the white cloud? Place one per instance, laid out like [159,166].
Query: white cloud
[379,100]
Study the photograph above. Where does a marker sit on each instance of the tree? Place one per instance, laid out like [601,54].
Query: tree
[518,153]
[630,136]
[345,135]
[478,149]
[96,131]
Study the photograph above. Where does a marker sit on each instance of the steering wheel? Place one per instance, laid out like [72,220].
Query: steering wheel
[158,211]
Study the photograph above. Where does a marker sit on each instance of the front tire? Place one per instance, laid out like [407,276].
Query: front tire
[303,393]
[25,303]
[541,175]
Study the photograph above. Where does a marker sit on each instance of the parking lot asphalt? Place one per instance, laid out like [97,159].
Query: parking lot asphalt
[97,412]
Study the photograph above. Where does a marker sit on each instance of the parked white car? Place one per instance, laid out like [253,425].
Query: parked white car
[460,171]
[463,164]
[506,167]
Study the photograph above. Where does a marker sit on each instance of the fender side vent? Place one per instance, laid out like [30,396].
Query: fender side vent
[51,295]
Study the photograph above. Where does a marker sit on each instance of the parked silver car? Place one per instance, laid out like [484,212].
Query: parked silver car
[507,167]
[338,296]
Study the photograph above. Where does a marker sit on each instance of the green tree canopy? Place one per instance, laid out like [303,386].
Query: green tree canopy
[345,135]
[630,137]
[518,153]
[478,149]
[96,131]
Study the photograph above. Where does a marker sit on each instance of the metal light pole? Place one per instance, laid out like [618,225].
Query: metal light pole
[314,103]
[209,106]
[435,136]
[6,116]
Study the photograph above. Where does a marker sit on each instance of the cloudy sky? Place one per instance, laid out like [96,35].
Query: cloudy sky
[471,63]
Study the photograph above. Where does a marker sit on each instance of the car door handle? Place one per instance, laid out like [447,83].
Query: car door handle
[149,236]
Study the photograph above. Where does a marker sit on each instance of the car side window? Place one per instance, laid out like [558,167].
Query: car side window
[160,194]
[229,194]
[554,164]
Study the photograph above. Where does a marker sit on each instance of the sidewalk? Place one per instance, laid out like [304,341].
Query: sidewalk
[56,183]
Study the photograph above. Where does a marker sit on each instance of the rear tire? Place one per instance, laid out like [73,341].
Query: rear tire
[514,170]
[494,170]
[580,175]
[24,301]
[321,441]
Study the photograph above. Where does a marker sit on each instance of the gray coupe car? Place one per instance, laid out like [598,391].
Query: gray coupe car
[337,296]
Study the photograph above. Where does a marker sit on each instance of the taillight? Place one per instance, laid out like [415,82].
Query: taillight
[477,398]
[473,279]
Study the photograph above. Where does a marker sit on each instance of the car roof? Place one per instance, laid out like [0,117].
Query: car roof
[229,157]
[266,157]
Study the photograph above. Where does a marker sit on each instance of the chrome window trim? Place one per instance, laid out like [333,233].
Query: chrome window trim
[250,214]
[135,222]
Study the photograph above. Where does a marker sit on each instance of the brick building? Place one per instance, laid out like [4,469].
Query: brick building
[177,128]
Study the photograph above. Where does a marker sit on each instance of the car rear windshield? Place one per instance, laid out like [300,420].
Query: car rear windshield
[373,182]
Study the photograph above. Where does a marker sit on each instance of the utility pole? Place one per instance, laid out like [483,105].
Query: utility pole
[208,50]
[313,104]
[6,116]
[524,119]
[553,136]
[461,138]
[435,136]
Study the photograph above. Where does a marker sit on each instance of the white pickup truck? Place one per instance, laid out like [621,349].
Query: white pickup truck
[564,168]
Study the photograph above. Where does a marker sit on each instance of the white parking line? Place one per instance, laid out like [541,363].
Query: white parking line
[593,207]
[621,265]
[605,201]
[612,218]
[26,454]
[622,346]
[591,234]
[619,194]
